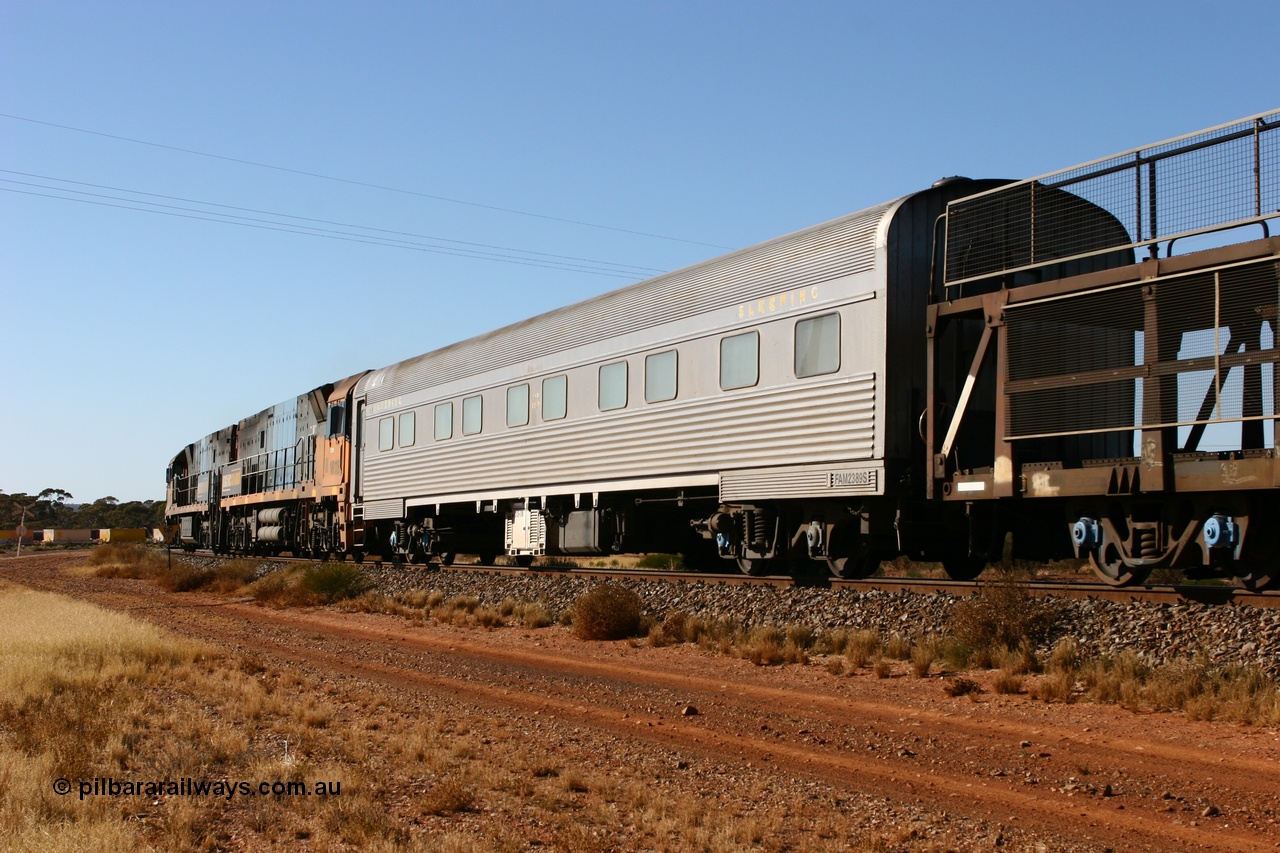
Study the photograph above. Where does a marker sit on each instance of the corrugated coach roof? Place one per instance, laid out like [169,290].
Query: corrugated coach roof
[840,247]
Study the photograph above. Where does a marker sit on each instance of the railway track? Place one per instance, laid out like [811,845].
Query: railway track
[1060,588]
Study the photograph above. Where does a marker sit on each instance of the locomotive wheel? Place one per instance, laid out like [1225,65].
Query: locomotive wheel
[487,558]
[754,566]
[446,558]
[1110,568]
[524,561]
[1257,577]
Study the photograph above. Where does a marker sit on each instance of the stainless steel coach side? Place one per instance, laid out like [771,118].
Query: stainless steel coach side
[761,406]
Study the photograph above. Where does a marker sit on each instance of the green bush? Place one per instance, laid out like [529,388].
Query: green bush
[668,562]
[334,581]
[608,612]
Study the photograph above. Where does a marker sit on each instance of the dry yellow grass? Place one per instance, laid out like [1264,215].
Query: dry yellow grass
[86,694]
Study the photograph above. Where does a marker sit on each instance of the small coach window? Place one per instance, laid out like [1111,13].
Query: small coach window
[444,421]
[472,408]
[408,432]
[386,432]
[818,345]
[518,405]
[660,377]
[740,360]
[555,397]
[613,386]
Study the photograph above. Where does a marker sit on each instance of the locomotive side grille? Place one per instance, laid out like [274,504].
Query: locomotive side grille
[834,250]
[1079,364]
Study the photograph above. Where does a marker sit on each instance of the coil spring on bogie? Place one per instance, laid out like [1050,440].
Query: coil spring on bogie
[1145,542]
[758,529]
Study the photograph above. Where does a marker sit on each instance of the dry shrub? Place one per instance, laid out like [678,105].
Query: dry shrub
[923,654]
[534,614]
[861,647]
[898,647]
[832,642]
[447,797]
[963,687]
[793,652]
[764,646]
[127,560]
[801,635]
[1055,687]
[234,575]
[1007,682]
[1066,656]
[608,612]
[1116,680]
[1002,614]
[487,617]
[882,668]
[1021,661]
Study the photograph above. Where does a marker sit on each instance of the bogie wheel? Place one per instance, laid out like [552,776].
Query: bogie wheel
[446,558]
[487,558]
[964,568]
[852,568]
[1109,566]
[754,566]
[1257,577]
[524,561]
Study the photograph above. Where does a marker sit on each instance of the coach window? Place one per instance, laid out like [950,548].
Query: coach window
[818,345]
[444,421]
[555,397]
[613,386]
[660,376]
[408,433]
[740,361]
[518,405]
[386,431]
[471,411]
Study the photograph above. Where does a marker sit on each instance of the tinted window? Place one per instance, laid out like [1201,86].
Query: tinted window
[613,386]
[517,405]
[818,345]
[471,411]
[337,420]
[660,377]
[740,360]
[408,433]
[386,432]
[444,421]
[555,397]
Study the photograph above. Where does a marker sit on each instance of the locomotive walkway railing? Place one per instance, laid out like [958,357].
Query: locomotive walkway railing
[1214,180]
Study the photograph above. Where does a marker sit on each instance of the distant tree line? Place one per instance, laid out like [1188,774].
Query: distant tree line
[53,508]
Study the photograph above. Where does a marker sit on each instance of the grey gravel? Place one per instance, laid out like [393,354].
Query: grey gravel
[1157,633]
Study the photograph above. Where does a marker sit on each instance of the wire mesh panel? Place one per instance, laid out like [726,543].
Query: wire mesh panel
[1219,178]
[1189,351]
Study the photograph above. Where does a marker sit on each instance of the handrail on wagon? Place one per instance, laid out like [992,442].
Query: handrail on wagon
[1209,181]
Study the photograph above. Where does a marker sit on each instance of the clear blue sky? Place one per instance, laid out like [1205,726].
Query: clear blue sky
[690,127]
